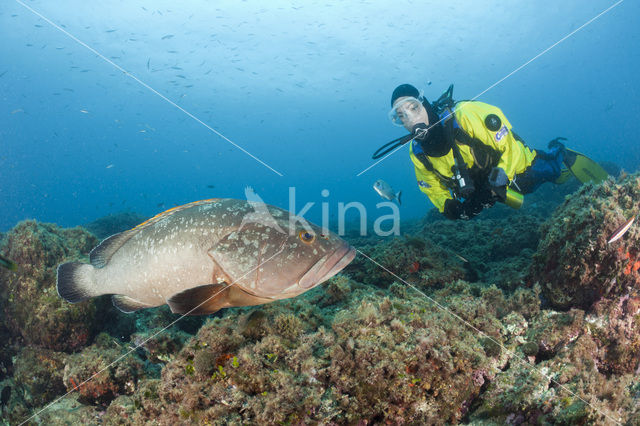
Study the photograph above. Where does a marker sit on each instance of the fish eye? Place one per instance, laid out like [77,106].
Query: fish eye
[306,237]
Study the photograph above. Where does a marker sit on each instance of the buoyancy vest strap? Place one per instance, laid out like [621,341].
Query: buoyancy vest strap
[491,156]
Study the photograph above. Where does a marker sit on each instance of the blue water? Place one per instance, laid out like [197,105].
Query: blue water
[303,86]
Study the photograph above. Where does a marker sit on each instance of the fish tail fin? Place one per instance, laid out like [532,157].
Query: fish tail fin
[76,282]
[398,195]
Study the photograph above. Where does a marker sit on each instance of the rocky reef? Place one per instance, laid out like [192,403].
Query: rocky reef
[575,263]
[33,311]
[526,320]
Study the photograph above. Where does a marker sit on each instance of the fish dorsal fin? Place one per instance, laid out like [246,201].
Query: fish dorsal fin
[100,255]
[126,304]
[214,296]
[171,211]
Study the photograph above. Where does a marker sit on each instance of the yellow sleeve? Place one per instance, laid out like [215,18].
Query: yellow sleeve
[429,184]
[515,157]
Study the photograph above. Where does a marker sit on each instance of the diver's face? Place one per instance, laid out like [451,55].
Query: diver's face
[411,112]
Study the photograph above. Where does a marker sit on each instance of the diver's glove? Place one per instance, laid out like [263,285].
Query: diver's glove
[465,210]
[498,181]
[498,177]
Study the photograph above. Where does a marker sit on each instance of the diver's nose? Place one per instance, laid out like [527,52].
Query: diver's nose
[412,119]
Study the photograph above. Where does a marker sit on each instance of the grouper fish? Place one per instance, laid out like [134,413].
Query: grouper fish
[202,256]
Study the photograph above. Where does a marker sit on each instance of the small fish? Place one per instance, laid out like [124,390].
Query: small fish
[15,111]
[461,258]
[148,62]
[8,263]
[211,186]
[386,191]
[167,37]
[84,111]
[619,232]
[196,259]
[109,166]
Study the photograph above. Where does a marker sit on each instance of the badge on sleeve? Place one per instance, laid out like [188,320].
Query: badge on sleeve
[502,133]
[492,122]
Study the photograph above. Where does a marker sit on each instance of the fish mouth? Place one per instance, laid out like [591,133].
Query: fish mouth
[328,266]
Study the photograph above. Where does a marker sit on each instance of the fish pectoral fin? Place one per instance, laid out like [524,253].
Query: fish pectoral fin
[202,300]
[238,297]
[126,304]
[209,298]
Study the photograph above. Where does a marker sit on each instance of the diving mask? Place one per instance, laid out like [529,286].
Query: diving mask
[407,112]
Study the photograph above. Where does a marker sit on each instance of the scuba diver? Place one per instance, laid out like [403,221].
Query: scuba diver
[467,157]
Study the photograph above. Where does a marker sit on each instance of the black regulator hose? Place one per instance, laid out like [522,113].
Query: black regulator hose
[390,146]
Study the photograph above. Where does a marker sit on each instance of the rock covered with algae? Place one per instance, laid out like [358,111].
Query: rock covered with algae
[412,256]
[32,309]
[375,357]
[574,263]
[574,368]
[364,349]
